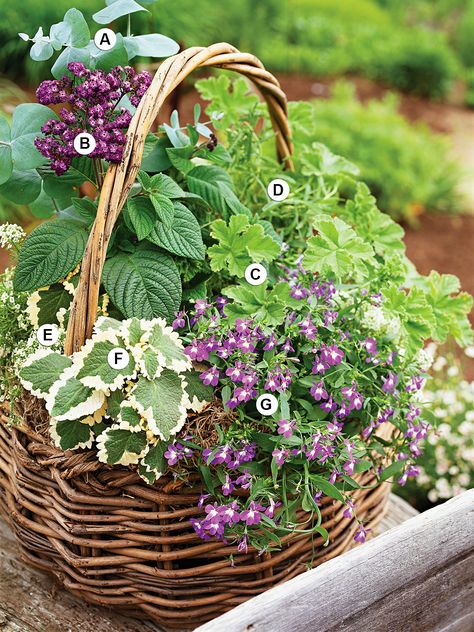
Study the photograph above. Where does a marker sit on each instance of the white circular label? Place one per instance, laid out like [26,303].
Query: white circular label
[118,358]
[105,39]
[267,404]
[278,190]
[255,274]
[48,335]
[84,143]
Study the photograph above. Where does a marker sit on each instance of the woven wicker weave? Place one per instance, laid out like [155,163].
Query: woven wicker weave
[106,535]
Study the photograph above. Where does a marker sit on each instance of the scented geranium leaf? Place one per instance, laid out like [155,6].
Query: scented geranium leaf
[199,395]
[145,283]
[162,402]
[414,311]
[142,215]
[92,363]
[71,399]
[49,253]
[117,10]
[257,302]
[240,244]
[121,447]
[154,461]
[183,237]
[153,45]
[164,209]
[168,346]
[71,435]
[233,98]
[450,307]
[375,227]
[319,160]
[41,370]
[49,305]
[337,250]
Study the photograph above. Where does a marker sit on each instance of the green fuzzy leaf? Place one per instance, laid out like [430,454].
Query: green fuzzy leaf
[240,244]
[257,302]
[71,400]
[42,370]
[337,250]
[96,371]
[161,402]
[199,394]
[71,435]
[164,209]
[117,446]
[145,284]
[142,216]
[183,238]
[23,187]
[153,45]
[49,253]
[117,10]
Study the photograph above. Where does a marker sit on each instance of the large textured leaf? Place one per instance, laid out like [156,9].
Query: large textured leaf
[205,181]
[49,253]
[183,238]
[164,208]
[42,370]
[161,402]
[118,446]
[145,284]
[142,216]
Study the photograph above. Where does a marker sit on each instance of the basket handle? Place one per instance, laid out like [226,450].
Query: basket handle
[120,177]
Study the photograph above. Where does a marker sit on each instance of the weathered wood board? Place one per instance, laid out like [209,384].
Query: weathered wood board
[417,577]
[29,602]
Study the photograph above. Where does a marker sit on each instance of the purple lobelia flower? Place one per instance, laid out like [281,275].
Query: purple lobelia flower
[179,322]
[228,486]
[280,455]
[349,510]
[361,534]
[331,355]
[253,514]
[285,427]
[390,383]
[210,377]
[318,391]
[370,345]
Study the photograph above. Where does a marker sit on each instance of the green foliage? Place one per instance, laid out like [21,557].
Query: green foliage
[464,36]
[413,171]
[128,410]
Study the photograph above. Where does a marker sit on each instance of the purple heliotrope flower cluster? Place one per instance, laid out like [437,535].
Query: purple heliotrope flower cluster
[91,101]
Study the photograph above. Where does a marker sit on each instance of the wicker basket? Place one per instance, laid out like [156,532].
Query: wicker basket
[107,536]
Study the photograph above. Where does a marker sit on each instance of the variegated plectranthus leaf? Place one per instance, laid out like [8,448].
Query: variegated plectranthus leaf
[71,399]
[168,346]
[71,435]
[199,395]
[42,369]
[118,446]
[154,464]
[162,402]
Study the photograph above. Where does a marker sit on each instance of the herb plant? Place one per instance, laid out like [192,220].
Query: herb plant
[335,334]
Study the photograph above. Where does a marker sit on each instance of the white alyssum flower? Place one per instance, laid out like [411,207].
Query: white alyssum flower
[11,235]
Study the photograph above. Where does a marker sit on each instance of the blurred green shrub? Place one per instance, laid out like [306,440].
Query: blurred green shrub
[447,463]
[407,167]
[469,94]
[464,36]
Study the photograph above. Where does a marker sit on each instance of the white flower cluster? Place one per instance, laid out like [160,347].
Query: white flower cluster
[13,316]
[447,466]
[11,235]
[378,322]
